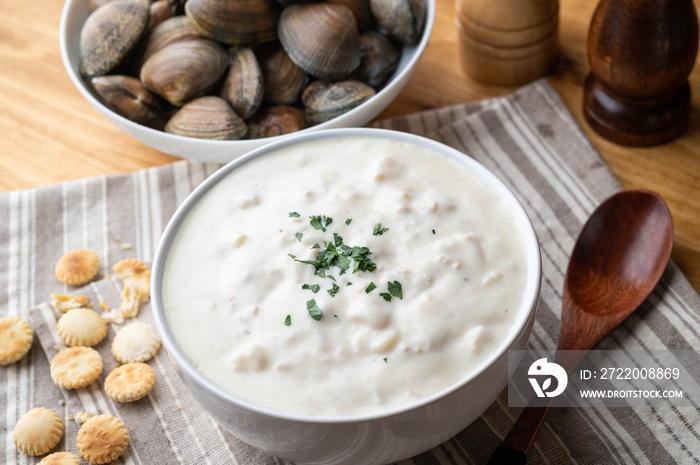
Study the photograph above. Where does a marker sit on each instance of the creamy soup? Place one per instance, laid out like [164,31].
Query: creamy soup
[344,277]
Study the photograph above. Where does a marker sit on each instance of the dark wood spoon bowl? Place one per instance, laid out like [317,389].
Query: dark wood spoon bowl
[617,261]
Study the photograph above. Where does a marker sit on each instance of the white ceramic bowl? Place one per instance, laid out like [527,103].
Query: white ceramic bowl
[375,439]
[75,12]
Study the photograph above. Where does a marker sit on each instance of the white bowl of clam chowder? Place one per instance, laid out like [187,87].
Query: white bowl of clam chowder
[347,296]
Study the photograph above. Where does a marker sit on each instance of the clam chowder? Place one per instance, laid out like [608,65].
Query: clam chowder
[344,278]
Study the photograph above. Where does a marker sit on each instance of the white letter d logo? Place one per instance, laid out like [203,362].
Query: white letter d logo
[543,368]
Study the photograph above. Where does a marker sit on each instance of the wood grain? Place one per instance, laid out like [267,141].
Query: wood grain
[49,133]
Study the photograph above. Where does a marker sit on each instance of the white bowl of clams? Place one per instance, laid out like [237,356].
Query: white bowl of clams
[211,80]
[347,296]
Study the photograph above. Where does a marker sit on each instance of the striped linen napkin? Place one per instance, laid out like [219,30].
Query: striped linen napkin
[528,139]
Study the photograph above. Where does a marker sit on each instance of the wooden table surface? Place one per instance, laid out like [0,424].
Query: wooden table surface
[49,133]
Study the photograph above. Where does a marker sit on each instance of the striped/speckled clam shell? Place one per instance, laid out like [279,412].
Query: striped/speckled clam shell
[243,85]
[109,34]
[184,70]
[325,100]
[235,21]
[321,38]
[403,19]
[284,80]
[207,118]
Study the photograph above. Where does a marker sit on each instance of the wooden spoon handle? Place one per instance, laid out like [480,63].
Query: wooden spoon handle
[518,442]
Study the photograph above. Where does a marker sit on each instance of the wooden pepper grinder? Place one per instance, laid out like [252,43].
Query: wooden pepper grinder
[641,53]
[507,42]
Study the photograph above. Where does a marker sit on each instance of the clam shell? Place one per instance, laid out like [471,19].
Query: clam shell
[380,57]
[243,85]
[275,121]
[127,97]
[321,38]
[109,34]
[158,12]
[284,80]
[176,29]
[184,70]
[361,10]
[235,21]
[207,117]
[403,19]
[324,100]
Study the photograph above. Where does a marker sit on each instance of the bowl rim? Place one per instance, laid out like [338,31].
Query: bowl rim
[78,82]
[521,219]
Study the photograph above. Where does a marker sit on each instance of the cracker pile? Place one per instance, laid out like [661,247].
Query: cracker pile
[101,438]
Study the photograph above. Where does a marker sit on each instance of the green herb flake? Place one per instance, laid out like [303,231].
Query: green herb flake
[348,221]
[386,296]
[288,320]
[292,255]
[385,360]
[395,289]
[378,230]
[313,309]
[313,287]
[298,236]
[315,246]
[331,277]
[294,215]
[433,232]
[349,283]
[321,222]
[370,288]
[334,290]
[337,240]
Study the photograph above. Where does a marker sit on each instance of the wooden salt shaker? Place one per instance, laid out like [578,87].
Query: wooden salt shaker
[507,42]
[641,53]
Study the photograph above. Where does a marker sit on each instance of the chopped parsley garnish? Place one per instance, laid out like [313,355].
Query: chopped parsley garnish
[332,278]
[334,290]
[370,288]
[294,215]
[378,230]
[315,246]
[313,287]
[288,320]
[433,232]
[395,289]
[386,296]
[292,255]
[385,360]
[349,283]
[298,236]
[321,222]
[348,221]
[313,309]
[341,257]
[337,240]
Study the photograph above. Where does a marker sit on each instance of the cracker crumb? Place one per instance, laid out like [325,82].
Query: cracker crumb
[82,417]
[104,306]
[135,273]
[125,246]
[130,301]
[61,402]
[71,417]
[178,405]
[109,276]
[89,306]
[64,303]
[113,316]
[56,348]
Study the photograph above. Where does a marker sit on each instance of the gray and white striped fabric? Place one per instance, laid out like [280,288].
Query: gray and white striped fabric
[528,139]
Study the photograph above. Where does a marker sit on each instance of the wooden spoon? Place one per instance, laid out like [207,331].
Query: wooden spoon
[616,262]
